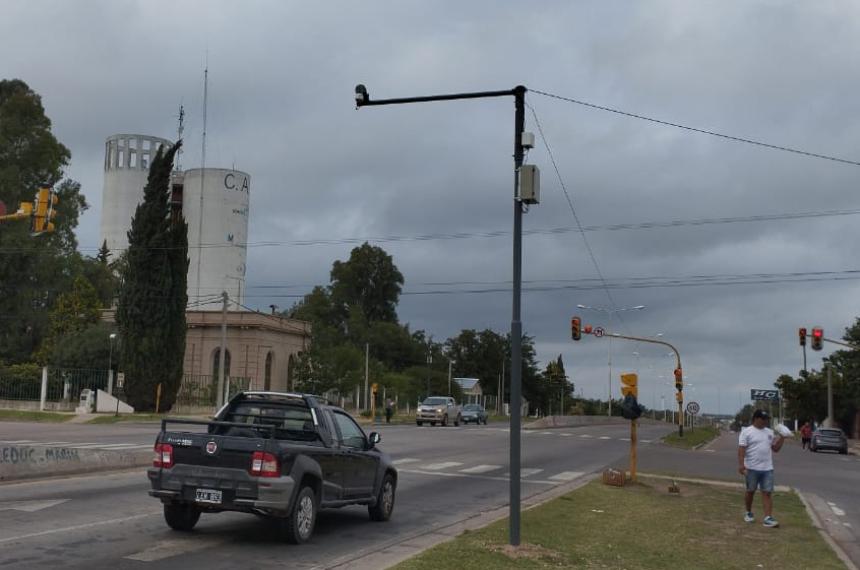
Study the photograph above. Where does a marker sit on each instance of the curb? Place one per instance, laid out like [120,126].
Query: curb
[712,482]
[402,548]
[816,522]
[31,462]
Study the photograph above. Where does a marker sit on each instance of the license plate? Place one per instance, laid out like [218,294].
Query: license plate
[208,496]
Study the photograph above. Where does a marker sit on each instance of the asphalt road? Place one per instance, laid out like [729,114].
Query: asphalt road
[446,475]
[829,481]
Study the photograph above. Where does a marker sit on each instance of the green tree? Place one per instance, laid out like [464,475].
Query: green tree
[369,282]
[34,271]
[151,310]
[73,312]
[86,348]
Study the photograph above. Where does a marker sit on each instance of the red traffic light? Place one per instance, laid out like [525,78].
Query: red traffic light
[587,329]
[802,334]
[817,338]
[679,379]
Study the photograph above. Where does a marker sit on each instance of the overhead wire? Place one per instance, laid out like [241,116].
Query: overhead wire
[696,129]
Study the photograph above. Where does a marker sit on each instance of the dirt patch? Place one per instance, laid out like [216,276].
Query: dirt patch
[528,552]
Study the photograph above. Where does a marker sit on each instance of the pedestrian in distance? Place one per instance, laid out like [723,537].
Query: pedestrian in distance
[389,410]
[806,436]
[756,446]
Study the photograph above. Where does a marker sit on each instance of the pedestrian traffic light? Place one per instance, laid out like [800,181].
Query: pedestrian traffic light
[630,408]
[802,334]
[679,379]
[576,328]
[630,385]
[817,337]
[45,210]
[679,396]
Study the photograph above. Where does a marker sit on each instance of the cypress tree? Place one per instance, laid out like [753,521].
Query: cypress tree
[151,310]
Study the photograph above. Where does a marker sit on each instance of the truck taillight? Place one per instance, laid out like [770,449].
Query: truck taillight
[163,455]
[264,464]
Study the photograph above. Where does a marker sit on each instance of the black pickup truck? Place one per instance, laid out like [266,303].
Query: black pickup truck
[277,455]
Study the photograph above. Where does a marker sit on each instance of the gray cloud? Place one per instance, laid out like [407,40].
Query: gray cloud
[280,108]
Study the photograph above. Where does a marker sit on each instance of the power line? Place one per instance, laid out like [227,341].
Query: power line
[697,130]
[630,226]
[637,283]
[576,219]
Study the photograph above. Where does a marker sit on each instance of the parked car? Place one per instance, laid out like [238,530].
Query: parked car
[829,438]
[438,409]
[277,455]
[474,413]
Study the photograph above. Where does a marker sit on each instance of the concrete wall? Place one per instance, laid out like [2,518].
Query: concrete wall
[33,405]
[26,462]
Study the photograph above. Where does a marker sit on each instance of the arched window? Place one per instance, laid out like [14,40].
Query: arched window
[216,363]
[267,379]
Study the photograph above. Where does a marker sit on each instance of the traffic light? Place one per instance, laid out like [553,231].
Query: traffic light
[44,210]
[679,397]
[817,337]
[630,385]
[576,328]
[802,334]
[679,379]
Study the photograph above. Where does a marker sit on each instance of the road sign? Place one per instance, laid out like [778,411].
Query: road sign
[693,408]
[771,395]
[599,332]
[120,379]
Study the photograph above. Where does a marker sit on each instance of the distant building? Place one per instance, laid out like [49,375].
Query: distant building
[472,392]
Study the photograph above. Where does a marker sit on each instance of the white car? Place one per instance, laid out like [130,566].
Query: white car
[441,409]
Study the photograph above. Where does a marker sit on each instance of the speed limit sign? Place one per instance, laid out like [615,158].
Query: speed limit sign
[599,332]
[693,408]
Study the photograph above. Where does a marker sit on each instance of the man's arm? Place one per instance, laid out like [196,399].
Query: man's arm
[742,451]
[777,445]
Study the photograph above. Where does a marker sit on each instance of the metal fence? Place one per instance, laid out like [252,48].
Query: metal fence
[64,384]
[20,384]
[201,390]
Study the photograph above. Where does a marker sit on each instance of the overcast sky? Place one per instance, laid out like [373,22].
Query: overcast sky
[281,108]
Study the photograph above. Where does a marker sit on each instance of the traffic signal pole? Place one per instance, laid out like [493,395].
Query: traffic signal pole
[679,382]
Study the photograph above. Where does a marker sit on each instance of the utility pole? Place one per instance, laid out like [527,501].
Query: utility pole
[362,99]
[450,362]
[429,362]
[366,371]
[829,397]
[222,356]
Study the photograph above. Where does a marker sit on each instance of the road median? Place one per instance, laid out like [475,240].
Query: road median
[28,462]
[642,526]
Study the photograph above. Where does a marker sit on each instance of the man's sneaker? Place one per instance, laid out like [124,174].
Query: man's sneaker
[770,522]
[749,517]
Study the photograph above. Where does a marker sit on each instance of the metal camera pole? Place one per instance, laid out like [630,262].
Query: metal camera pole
[362,99]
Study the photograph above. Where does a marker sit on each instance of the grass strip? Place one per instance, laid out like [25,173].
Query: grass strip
[641,526]
[30,416]
[692,438]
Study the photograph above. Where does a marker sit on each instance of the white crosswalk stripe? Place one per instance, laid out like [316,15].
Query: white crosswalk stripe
[405,460]
[481,469]
[528,472]
[565,434]
[440,466]
[566,476]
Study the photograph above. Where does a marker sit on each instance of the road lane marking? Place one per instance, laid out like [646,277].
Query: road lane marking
[836,510]
[586,435]
[481,469]
[470,476]
[646,440]
[78,527]
[30,506]
[174,547]
[442,465]
[566,434]
[546,433]
[624,438]
[605,437]
[566,476]
[20,441]
[528,472]
[405,460]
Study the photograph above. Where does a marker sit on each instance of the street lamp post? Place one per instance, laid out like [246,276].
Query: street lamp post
[111,337]
[450,363]
[363,99]
[611,312]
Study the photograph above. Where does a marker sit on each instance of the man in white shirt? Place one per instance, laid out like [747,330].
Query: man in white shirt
[756,446]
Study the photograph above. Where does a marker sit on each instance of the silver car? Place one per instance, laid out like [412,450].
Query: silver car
[438,409]
[829,438]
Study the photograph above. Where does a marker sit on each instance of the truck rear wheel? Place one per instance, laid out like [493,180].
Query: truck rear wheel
[299,524]
[457,422]
[445,421]
[181,517]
